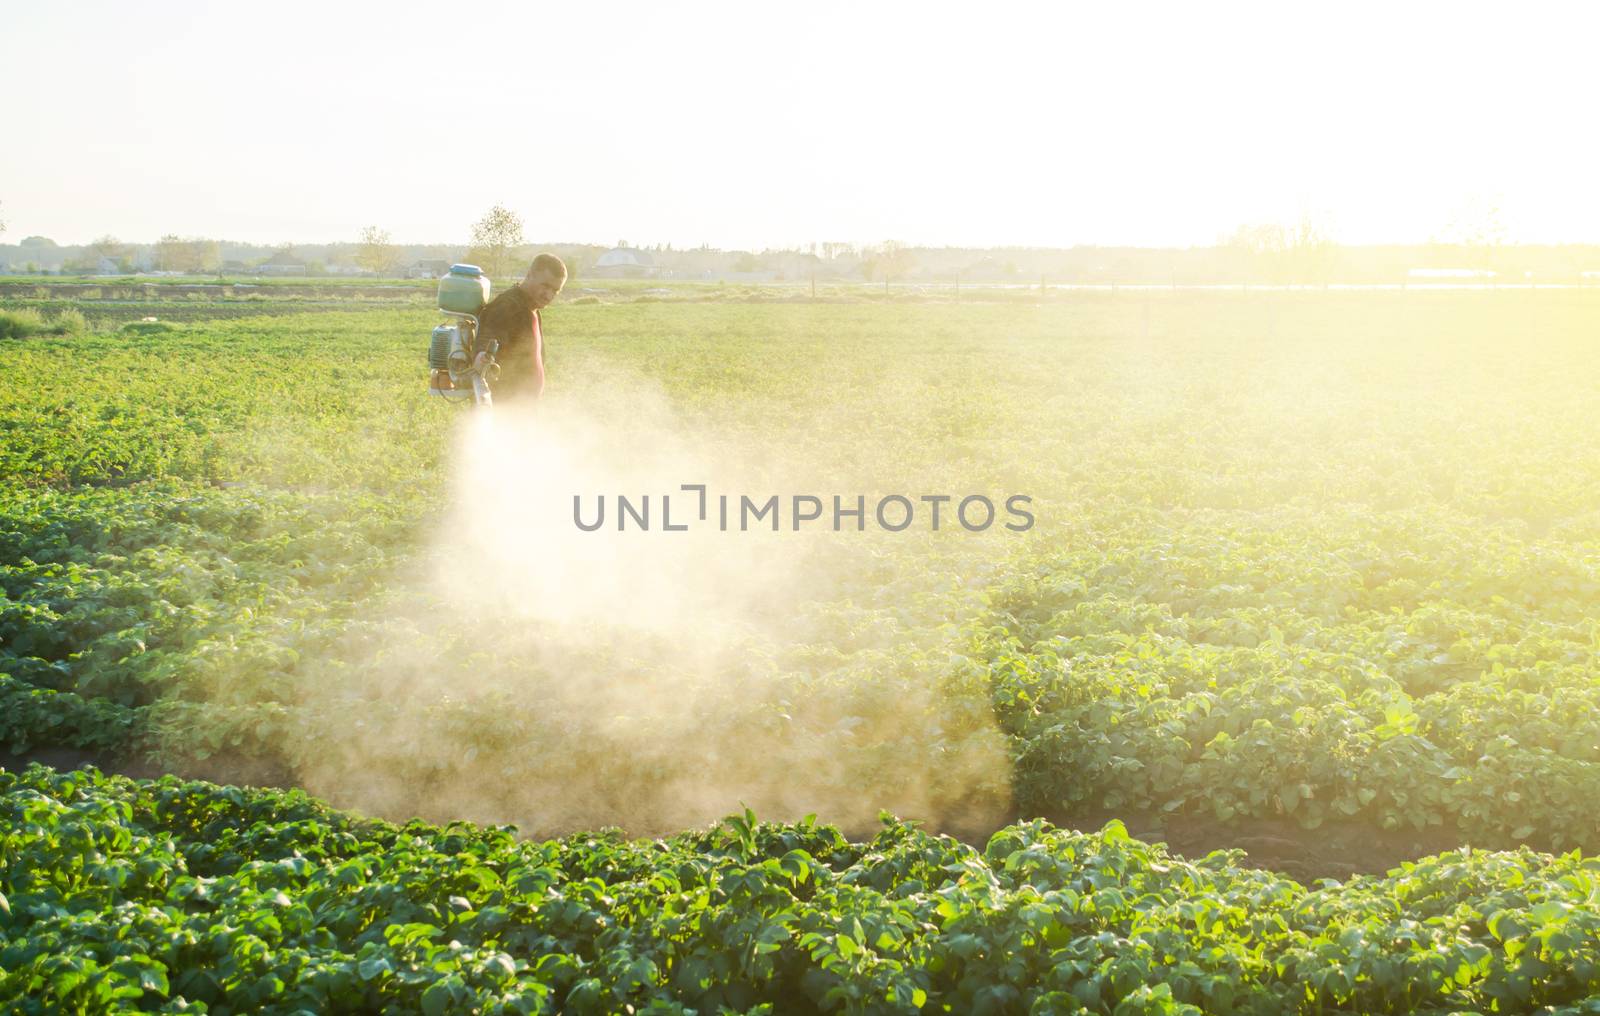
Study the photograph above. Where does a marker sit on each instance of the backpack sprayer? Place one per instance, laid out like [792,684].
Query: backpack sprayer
[455,371]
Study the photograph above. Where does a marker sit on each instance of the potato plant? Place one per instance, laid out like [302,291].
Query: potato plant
[1321,559]
[184,896]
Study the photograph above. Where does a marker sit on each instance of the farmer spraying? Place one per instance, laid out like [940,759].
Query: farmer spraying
[512,320]
[492,343]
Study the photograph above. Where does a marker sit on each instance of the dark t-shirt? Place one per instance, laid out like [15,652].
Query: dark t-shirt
[510,320]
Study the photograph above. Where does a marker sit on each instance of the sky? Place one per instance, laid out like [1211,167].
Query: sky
[756,125]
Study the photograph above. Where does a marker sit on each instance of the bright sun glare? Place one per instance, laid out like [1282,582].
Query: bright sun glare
[752,126]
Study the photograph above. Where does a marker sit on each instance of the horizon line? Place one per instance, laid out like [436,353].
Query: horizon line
[850,245]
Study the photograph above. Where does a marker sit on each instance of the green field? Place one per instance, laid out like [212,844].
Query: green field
[1315,575]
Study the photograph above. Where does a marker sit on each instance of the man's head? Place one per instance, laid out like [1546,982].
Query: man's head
[544,280]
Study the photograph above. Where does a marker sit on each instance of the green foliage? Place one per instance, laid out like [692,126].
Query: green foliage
[174,894]
[142,328]
[1234,670]
[1325,559]
[33,717]
[1370,599]
[22,323]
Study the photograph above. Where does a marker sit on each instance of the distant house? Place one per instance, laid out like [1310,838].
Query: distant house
[428,268]
[624,263]
[106,266]
[281,263]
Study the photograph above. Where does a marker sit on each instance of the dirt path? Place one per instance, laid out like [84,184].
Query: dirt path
[1336,850]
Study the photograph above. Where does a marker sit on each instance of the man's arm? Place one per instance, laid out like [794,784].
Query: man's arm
[537,387]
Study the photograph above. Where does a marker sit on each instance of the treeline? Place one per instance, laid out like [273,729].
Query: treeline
[1253,255]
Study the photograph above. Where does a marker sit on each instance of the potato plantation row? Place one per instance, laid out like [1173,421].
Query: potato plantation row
[181,896]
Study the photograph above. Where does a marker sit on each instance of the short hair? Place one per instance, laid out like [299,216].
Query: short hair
[550,263]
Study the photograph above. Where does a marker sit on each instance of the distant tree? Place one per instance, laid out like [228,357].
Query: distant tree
[166,253]
[1274,252]
[205,255]
[1258,239]
[1309,253]
[1478,223]
[888,261]
[495,237]
[376,253]
[108,246]
[2,224]
[1479,235]
[193,256]
[172,254]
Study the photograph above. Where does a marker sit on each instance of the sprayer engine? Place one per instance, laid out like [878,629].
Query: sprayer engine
[460,365]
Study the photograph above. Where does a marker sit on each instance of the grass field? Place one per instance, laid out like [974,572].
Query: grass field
[1313,574]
